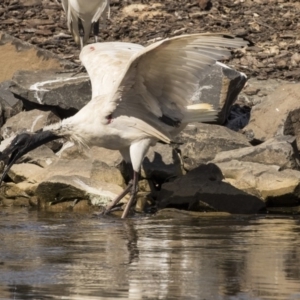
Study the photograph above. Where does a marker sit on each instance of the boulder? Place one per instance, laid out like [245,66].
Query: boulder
[25,171]
[254,92]
[103,172]
[277,115]
[32,121]
[281,151]
[9,104]
[12,191]
[203,188]
[59,188]
[65,167]
[112,158]
[106,163]
[60,90]
[227,84]
[267,182]
[201,143]
[25,56]
[42,156]
[257,91]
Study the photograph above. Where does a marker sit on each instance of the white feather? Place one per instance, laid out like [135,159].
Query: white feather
[138,92]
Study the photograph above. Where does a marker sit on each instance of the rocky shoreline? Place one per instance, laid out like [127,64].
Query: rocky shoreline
[246,163]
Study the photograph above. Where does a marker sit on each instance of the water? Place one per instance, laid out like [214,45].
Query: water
[67,256]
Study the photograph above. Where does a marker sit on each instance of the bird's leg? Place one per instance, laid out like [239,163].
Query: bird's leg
[81,32]
[119,198]
[96,30]
[133,193]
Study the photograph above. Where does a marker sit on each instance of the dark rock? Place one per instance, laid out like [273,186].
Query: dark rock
[219,86]
[201,143]
[27,121]
[162,162]
[52,89]
[203,189]
[238,118]
[10,105]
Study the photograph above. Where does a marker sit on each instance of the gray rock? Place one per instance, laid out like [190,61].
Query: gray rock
[227,84]
[277,115]
[111,158]
[52,89]
[25,171]
[76,187]
[281,151]
[27,121]
[25,56]
[65,167]
[12,191]
[42,156]
[256,91]
[201,143]
[105,164]
[271,185]
[9,104]
[103,172]
[203,189]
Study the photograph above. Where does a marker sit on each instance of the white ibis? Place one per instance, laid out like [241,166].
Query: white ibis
[84,15]
[140,96]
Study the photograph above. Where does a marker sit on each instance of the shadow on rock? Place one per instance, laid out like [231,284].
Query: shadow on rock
[204,189]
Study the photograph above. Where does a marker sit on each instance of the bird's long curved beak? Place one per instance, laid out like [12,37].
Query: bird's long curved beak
[22,144]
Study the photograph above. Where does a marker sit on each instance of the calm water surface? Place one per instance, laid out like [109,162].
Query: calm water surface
[67,256]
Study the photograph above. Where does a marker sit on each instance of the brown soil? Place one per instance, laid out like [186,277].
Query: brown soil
[272,25]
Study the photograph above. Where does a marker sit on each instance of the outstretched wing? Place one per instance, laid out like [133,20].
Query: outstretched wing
[160,80]
[102,11]
[105,62]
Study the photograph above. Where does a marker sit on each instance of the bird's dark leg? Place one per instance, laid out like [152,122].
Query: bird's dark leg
[119,198]
[133,193]
[96,30]
[131,187]
[81,32]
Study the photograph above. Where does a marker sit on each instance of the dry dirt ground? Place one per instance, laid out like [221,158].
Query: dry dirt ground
[272,25]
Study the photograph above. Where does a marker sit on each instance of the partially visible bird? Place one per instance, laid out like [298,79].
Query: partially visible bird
[84,15]
[140,96]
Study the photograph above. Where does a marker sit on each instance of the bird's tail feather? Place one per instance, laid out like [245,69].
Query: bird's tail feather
[201,112]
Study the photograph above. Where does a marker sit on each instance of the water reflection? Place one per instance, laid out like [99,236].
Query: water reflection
[61,256]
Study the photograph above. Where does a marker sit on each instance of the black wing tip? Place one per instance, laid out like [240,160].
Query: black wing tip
[242,36]
[169,121]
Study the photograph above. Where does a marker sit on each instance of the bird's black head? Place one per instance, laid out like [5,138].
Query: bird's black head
[22,144]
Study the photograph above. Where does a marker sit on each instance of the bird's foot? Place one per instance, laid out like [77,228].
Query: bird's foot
[109,208]
[106,211]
